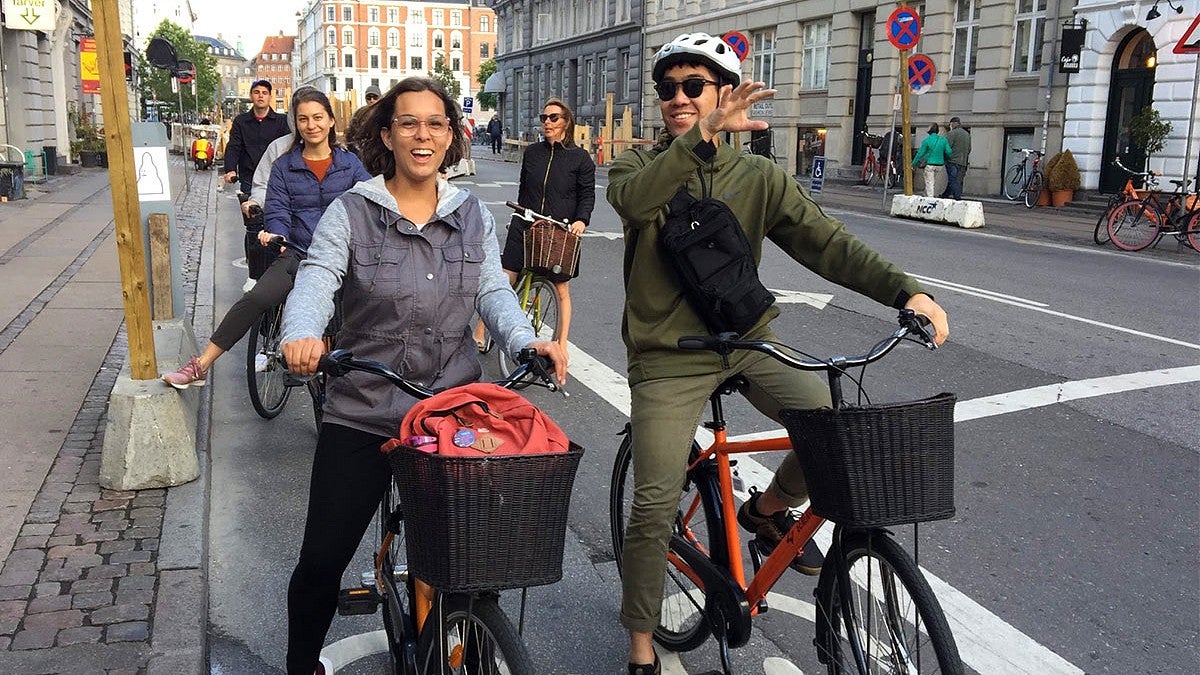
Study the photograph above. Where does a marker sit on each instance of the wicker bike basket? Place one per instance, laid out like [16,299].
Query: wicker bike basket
[878,465]
[549,249]
[872,141]
[485,523]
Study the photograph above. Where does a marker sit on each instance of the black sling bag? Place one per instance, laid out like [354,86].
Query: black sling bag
[704,243]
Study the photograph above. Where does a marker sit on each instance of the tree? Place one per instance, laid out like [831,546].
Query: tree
[486,70]
[442,73]
[155,83]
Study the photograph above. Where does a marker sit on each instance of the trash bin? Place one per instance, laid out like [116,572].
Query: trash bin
[12,180]
[51,162]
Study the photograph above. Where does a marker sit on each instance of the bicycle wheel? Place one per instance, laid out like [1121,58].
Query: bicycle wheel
[1100,233]
[266,374]
[541,308]
[1013,181]
[683,625]
[471,635]
[870,171]
[1033,189]
[397,619]
[895,621]
[1192,231]
[893,176]
[1133,226]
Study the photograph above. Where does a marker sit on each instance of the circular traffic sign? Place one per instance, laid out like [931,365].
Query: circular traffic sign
[921,72]
[904,28]
[739,42]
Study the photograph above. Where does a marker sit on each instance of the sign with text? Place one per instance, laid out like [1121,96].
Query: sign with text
[29,14]
[1072,47]
[904,28]
[818,174]
[89,67]
[468,104]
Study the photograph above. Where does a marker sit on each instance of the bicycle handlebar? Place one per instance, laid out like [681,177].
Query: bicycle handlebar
[1029,151]
[726,343]
[339,362]
[532,216]
[1144,174]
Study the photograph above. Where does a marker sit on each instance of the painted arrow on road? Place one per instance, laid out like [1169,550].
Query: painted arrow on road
[818,300]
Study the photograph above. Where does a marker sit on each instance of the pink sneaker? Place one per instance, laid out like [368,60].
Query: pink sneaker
[191,374]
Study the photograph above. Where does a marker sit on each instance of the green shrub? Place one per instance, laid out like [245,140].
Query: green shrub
[1063,172]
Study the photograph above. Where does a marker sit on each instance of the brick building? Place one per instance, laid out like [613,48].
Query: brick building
[274,64]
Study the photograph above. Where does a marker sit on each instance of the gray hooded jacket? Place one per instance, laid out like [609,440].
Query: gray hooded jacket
[408,296]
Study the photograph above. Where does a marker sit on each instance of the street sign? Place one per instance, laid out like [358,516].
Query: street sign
[468,104]
[920,73]
[1190,42]
[904,28]
[29,15]
[739,42]
[818,174]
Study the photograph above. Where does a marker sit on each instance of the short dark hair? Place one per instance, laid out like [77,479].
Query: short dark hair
[261,83]
[955,120]
[311,95]
[375,156]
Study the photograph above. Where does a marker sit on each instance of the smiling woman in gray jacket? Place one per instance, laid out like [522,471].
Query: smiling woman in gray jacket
[414,258]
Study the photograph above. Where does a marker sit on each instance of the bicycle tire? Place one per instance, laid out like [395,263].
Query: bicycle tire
[1033,189]
[1014,181]
[1100,232]
[911,629]
[683,625]
[1192,231]
[1133,226]
[541,309]
[471,635]
[893,177]
[397,619]
[870,172]
[268,387]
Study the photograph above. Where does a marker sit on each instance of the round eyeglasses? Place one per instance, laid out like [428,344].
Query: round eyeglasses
[692,87]
[407,125]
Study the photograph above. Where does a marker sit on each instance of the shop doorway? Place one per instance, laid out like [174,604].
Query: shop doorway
[1131,90]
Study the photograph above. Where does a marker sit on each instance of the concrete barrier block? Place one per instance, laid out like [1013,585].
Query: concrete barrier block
[150,434]
[963,213]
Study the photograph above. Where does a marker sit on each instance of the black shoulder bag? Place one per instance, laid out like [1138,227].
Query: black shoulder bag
[704,243]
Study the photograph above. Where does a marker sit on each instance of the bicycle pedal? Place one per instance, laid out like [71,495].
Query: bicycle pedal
[356,601]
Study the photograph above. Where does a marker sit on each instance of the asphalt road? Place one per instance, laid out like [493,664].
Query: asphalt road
[1074,548]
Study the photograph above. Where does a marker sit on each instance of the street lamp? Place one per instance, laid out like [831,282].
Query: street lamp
[1154,13]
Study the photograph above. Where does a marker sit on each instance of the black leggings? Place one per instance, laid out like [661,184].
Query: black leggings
[349,476]
[271,290]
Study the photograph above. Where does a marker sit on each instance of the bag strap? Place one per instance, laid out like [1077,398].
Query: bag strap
[681,201]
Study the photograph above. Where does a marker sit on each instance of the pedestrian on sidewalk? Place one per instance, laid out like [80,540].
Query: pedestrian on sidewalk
[932,156]
[425,229]
[558,179]
[496,133]
[960,154]
[303,183]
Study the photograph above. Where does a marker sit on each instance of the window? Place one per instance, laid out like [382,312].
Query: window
[438,17]
[393,15]
[416,39]
[331,37]
[484,26]
[416,63]
[416,15]
[764,56]
[814,71]
[332,60]
[544,28]
[393,62]
[332,83]
[330,13]
[393,39]
[518,38]
[347,37]
[373,15]
[483,50]
[438,40]
[966,37]
[374,81]
[623,76]
[374,60]
[602,63]
[456,40]
[589,81]
[348,60]
[623,11]
[347,13]
[456,64]
[373,37]
[1028,36]
[349,83]
[456,17]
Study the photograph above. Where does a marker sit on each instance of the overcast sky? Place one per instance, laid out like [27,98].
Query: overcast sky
[247,20]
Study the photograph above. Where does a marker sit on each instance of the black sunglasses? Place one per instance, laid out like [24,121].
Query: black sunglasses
[553,117]
[692,87]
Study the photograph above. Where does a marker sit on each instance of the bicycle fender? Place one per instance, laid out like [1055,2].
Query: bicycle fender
[720,593]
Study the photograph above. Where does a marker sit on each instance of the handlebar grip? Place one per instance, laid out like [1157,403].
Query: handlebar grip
[696,342]
[277,240]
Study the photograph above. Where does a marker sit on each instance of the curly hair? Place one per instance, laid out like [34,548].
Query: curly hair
[376,156]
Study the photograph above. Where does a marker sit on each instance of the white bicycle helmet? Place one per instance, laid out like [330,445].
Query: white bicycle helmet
[699,48]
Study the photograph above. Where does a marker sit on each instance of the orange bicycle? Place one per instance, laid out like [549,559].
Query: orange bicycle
[1139,223]
[868,467]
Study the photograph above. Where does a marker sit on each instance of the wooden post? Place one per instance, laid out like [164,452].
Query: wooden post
[904,116]
[608,126]
[160,265]
[122,176]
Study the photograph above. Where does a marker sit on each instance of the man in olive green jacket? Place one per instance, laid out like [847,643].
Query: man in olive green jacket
[699,84]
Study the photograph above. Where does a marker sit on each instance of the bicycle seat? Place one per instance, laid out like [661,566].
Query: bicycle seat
[736,384]
[1180,183]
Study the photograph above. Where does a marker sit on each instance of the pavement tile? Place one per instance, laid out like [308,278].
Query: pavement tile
[125,632]
[92,586]
[80,635]
[91,600]
[34,638]
[50,603]
[119,613]
[67,618]
[20,592]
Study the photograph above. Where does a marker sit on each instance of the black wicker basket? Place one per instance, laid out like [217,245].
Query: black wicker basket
[872,141]
[485,523]
[878,465]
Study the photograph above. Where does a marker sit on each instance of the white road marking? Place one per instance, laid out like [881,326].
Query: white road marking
[350,649]
[818,300]
[1039,307]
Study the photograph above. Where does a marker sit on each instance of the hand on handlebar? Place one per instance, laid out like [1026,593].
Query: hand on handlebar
[925,306]
[268,238]
[557,355]
[230,176]
[302,355]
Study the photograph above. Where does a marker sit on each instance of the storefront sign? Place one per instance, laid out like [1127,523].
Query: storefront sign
[1072,47]
[89,69]
[29,14]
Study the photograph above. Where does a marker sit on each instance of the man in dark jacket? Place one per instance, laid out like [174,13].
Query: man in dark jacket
[495,133]
[251,133]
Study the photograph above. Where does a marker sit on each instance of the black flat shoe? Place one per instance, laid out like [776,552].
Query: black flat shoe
[646,669]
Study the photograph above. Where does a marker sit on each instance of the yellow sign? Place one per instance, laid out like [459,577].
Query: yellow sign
[89,69]
[30,14]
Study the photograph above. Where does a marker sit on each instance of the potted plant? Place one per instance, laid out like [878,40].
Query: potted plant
[1148,131]
[1062,178]
[88,142]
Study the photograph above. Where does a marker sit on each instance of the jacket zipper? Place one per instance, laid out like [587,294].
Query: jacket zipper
[546,179]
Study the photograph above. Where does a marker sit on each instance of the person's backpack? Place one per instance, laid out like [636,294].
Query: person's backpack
[705,245]
[480,419]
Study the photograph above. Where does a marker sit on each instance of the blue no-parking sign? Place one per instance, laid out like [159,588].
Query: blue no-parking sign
[904,28]
[818,174]
[921,72]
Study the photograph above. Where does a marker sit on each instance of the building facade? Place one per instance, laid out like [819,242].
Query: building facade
[274,63]
[579,51]
[148,15]
[348,46]
[231,66]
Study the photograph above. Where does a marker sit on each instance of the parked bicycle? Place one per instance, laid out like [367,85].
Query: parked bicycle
[1129,193]
[872,167]
[868,468]
[459,627]
[1138,223]
[1025,179]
